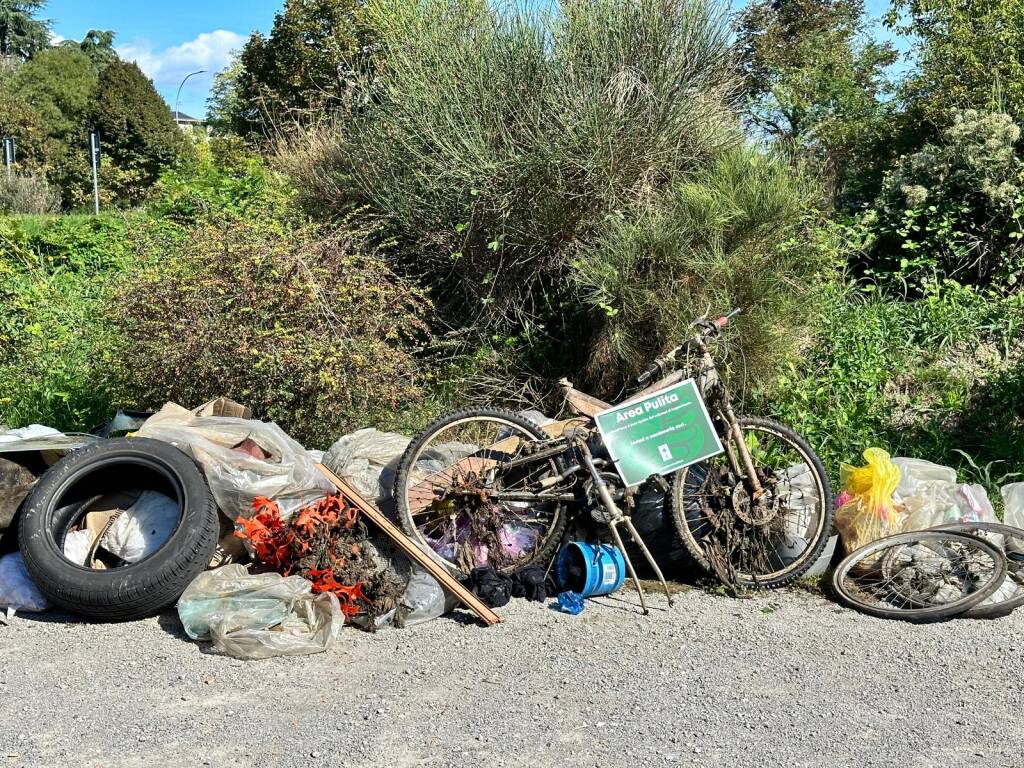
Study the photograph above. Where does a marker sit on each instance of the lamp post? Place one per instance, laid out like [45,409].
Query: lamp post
[177,99]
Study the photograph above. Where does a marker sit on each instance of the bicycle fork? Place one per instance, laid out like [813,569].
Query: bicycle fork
[615,519]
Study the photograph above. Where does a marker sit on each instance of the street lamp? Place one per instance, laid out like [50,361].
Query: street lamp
[177,99]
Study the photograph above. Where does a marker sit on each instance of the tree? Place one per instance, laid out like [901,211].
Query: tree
[21,34]
[60,83]
[969,55]
[98,45]
[305,66]
[139,135]
[816,80]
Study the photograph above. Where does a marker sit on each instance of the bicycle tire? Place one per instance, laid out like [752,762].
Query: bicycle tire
[685,523]
[555,531]
[927,614]
[989,609]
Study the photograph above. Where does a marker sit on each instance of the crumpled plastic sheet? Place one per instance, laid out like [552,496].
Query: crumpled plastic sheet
[137,533]
[289,476]
[259,616]
[17,590]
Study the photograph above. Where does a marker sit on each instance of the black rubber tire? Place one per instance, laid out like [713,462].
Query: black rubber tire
[985,610]
[136,590]
[683,521]
[555,532]
[934,613]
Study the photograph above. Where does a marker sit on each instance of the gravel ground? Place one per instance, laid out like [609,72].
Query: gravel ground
[785,679]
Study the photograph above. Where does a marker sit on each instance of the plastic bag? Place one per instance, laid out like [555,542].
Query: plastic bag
[236,477]
[1013,512]
[17,591]
[367,459]
[424,600]
[868,511]
[142,528]
[259,616]
[930,496]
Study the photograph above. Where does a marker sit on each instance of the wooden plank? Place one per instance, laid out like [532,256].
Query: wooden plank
[406,544]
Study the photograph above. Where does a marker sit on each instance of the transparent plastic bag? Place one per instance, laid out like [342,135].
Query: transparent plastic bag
[930,496]
[228,449]
[868,511]
[259,616]
[367,459]
[424,600]
[1013,512]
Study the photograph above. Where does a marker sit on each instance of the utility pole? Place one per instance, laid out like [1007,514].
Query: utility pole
[9,156]
[94,153]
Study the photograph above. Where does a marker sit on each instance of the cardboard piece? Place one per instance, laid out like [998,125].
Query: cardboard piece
[414,553]
[222,406]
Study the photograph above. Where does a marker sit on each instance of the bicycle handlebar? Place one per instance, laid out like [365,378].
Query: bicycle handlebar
[706,328]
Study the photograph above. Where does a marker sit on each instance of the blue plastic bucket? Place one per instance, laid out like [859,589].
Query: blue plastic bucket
[591,569]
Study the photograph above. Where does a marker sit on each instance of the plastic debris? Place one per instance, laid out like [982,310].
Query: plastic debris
[223,447]
[869,512]
[259,616]
[17,591]
[571,603]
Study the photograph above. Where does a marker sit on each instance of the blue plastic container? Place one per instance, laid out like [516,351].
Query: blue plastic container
[591,570]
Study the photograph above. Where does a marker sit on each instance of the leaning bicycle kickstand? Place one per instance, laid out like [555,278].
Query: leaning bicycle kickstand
[617,518]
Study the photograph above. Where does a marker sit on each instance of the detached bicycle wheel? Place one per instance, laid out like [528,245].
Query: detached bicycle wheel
[920,576]
[1010,541]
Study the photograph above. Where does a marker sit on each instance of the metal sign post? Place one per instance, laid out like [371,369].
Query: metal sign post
[94,152]
[9,156]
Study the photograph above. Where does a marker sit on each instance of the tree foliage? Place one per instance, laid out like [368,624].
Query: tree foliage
[968,55]
[304,67]
[22,35]
[816,80]
[138,131]
[98,45]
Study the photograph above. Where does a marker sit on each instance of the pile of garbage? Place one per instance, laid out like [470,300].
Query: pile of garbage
[922,546]
[225,517]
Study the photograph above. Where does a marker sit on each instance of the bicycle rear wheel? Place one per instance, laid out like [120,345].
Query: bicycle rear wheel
[445,486]
[920,576]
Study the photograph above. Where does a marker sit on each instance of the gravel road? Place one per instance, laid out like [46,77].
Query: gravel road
[785,679]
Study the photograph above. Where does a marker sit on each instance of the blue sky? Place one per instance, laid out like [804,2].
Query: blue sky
[171,39]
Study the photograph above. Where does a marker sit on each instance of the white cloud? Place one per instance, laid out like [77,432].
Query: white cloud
[210,51]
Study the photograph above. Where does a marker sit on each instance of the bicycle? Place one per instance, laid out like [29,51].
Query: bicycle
[750,500]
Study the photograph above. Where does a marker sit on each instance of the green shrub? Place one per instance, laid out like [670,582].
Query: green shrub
[307,326]
[54,277]
[954,209]
[730,235]
[927,378]
[522,159]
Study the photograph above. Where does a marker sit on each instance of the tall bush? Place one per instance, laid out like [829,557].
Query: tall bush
[502,148]
[954,210]
[307,326]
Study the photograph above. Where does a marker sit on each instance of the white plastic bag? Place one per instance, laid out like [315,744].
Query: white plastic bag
[259,616]
[142,528]
[367,460]
[424,600]
[288,474]
[17,591]
[1013,512]
[931,496]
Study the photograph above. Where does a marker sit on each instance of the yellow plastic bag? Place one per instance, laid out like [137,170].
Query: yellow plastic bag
[867,510]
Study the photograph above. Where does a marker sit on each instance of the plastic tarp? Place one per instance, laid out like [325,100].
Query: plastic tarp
[259,616]
[367,460]
[236,472]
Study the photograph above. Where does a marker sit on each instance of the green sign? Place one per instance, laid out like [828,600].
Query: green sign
[659,433]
